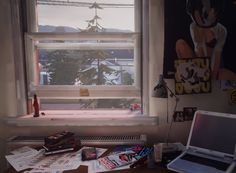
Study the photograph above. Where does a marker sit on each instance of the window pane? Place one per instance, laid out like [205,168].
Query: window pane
[78,15]
[86,67]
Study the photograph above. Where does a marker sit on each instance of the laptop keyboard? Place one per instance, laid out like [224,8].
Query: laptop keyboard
[208,162]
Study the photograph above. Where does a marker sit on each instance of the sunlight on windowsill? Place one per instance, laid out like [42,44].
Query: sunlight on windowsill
[85,118]
[87,114]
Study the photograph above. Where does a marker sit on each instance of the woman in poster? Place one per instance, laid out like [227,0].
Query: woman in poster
[208,36]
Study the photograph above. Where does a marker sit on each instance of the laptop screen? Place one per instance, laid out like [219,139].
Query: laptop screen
[213,132]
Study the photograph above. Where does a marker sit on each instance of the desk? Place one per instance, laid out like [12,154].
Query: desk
[84,169]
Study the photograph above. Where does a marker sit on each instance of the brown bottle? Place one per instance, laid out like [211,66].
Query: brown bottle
[36,106]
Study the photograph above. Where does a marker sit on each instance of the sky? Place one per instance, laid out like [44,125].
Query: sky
[76,16]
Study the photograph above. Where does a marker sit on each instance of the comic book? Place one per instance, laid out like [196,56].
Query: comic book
[117,160]
[124,155]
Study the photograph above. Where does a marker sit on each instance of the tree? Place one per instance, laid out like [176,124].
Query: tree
[62,67]
[97,73]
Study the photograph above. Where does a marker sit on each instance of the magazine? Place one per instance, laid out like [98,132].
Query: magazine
[117,160]
[126,148]
[144,152]
[138,149]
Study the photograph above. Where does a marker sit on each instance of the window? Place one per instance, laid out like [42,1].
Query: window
[83,54]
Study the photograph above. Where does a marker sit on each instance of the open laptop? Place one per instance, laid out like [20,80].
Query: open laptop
[211,145]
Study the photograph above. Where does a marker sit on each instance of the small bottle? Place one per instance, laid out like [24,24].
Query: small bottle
[36,106]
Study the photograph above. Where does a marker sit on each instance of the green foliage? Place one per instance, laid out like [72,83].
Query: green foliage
[127,79]
[62,66]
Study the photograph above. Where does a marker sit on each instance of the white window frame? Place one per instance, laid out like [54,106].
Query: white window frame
[72,92]
[140,89]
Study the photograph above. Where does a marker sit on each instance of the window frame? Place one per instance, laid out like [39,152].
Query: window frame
[59,91]
[57,120]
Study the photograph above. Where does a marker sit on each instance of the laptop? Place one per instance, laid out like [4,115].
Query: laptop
[211,145]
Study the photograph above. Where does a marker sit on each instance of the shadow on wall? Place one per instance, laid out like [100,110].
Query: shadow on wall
[178,133]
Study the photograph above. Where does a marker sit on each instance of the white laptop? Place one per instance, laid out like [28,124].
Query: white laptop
[211,145]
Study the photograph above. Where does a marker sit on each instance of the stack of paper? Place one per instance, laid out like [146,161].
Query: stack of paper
[27,157]
[120,158]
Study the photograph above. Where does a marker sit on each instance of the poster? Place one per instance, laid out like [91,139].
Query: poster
[232,97]
[192,76]
[201,28]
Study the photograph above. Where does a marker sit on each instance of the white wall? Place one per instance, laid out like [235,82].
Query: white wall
[7,73]
[216,101]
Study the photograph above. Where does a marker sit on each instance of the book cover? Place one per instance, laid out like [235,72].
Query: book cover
[58,151]
[57,138]
[70,145]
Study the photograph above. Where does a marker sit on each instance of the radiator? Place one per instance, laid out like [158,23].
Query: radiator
[113,140]
[18,141]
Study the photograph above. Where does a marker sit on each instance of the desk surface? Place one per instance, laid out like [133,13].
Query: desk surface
[84,169]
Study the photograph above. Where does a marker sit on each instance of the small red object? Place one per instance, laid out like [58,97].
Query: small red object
[136,106]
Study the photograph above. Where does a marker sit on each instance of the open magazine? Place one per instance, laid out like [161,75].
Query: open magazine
[117,160]
[124,155]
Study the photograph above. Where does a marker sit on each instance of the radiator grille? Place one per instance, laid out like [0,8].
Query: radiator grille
[113,140]
[85,140]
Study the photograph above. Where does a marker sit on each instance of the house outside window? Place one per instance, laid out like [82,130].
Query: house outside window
[84,55]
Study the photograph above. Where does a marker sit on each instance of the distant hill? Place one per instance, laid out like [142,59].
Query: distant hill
[51,28]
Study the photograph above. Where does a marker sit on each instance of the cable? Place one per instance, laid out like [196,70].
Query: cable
[82,4]
[171,122]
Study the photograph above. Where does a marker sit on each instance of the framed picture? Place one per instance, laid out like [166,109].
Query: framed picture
[188,113]
[178,116]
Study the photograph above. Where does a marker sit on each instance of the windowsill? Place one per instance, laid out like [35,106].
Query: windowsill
[85,118]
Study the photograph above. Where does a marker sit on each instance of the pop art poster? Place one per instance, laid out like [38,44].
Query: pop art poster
[192,76]
[232,97]
[201,28]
